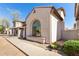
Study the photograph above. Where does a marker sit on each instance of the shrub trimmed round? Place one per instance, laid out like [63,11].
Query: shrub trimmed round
[71,47]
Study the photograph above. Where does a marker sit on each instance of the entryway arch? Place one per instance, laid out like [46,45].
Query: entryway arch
[36,28]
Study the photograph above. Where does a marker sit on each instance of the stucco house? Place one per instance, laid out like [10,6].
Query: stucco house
[18,29]
[77,15]
[45,24]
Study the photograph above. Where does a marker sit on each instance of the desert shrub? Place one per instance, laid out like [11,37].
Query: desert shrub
[71,47]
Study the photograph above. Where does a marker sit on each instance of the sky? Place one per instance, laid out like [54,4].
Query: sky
[6,10]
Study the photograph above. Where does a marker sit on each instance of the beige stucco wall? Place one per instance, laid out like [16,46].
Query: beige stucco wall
[70,34]
[10,30]
[51,26]
[24,33]
[77,24]
[18,24]
[60,29]
[19,33]
[43,15]
[56,29]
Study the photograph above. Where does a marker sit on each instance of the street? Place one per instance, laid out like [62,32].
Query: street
[7,49]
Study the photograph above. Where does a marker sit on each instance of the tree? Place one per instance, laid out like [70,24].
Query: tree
[15,16]
[5,23]
[0,21]
[1,28]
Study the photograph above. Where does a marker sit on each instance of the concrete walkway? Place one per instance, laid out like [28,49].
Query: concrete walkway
[30,49]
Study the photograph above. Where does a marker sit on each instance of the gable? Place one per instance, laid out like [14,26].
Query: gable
[45,10]
[55,12]
[38,10]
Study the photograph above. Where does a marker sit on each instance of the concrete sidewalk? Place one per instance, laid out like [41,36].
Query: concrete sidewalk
[30,49]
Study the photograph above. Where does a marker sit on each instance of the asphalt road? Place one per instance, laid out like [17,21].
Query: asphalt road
[7,49]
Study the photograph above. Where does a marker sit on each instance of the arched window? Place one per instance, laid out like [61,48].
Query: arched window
[36,28]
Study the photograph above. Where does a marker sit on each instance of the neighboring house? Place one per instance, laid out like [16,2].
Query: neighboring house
[77,15]
[18,29]
[45,24]
[74,32]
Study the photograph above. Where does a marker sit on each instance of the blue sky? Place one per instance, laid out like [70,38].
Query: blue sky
[24,8]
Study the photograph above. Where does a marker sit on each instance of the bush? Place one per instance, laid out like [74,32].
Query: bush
[71,47]
[54,45]
[1,28]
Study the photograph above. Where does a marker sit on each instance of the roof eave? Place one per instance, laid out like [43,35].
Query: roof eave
[53,10]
